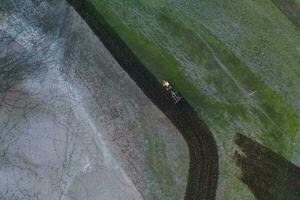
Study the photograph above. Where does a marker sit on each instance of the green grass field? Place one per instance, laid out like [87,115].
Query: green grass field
[216,53]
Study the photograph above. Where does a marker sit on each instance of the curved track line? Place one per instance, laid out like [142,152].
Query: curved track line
[203,171]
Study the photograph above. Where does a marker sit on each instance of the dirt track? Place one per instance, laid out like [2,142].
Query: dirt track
[290,9]
[203,172]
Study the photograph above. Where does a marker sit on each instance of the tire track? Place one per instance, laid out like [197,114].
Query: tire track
[290,9]
[203,171]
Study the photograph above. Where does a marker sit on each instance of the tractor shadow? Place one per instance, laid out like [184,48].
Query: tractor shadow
[268,175]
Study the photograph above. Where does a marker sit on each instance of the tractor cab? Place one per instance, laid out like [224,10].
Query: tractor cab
[172,92]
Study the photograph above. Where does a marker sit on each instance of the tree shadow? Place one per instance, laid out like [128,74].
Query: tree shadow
[267,174]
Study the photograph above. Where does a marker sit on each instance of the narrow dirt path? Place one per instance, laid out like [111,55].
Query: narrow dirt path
[203,172]
[290,9]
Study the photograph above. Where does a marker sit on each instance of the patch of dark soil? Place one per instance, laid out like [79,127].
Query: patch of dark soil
[268,175]
[290,8]
[203,172]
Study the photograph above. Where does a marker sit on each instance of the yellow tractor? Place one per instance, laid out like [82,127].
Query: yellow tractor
[173,93]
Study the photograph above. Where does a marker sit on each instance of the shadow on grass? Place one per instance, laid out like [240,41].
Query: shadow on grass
[268,175]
